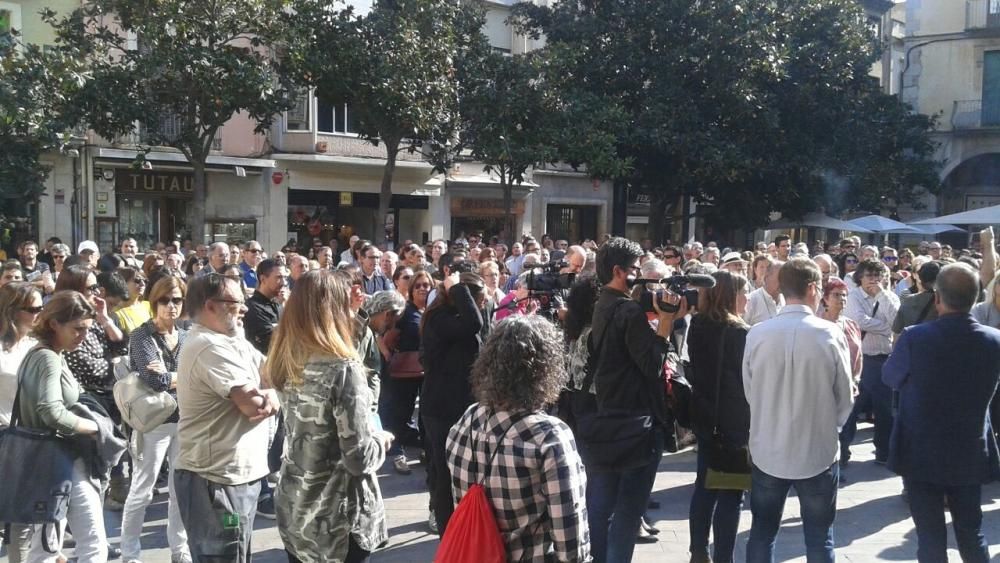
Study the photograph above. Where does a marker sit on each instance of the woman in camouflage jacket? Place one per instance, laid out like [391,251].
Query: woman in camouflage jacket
[329,505]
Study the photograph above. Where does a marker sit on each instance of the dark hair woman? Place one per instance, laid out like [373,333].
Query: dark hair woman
[47,392]
[519,372]
[715,343]
[154,354]
[399,391]
[576,329]
[451,337]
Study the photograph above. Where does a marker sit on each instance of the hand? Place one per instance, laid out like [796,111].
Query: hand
[450,281]
[986,236]
[283,294]
[48,284]
[385,438]
[156,366]
[270,406]
[101,308]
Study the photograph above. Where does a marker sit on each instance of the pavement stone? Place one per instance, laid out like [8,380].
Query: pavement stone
[873,523]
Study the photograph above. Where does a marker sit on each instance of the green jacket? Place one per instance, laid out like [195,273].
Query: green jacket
[48,389]
[328,490]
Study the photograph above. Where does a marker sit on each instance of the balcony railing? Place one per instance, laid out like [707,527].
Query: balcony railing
[170,128]
[970,114]
[982,14]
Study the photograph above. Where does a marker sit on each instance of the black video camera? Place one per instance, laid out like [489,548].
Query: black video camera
[683,285]
[547,280]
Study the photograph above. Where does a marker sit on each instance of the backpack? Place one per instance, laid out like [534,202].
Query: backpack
[472,534]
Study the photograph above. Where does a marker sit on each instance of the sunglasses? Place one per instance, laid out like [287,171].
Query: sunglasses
[850,261]
[889,258]
[32,310]
[178,301]
[422,286]
[255,250]
[95,289]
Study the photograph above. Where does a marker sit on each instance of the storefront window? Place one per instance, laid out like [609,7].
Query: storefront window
[139,219]
[231,232]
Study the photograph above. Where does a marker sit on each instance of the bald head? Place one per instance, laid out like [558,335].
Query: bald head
[576,259]
[956,287]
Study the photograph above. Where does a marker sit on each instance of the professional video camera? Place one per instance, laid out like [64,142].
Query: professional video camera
[683,285]
[547,280]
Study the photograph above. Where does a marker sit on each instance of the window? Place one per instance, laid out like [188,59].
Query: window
[297,118]
[10,17]
[335,117]
[991,89]
[230,232]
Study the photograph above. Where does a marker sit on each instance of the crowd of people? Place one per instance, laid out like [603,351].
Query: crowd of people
[553,374]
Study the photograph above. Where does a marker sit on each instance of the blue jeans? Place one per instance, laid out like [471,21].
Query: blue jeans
[881,395]
[927,509]
[616,501]
[396,404]
[818,503]
[713,510]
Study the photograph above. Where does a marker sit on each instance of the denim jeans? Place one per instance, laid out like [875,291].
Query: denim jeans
[927,509]
[398,399]
[85,517]
[818,505]
[713,510]
[616,501]
[881,395]
[862,403]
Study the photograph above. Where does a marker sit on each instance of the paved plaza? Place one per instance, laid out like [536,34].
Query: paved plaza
[873,523]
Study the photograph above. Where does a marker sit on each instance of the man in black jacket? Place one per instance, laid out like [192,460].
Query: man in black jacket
[264,307]
[628,374]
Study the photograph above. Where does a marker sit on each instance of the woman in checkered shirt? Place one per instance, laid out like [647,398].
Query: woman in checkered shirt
[536,481]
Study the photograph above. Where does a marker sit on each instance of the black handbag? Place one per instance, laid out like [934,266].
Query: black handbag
[729,465]
[37,492]
[611,438]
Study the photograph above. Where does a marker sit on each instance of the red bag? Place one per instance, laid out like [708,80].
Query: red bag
[472,534]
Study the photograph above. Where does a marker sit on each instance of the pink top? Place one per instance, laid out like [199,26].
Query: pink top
[853,333]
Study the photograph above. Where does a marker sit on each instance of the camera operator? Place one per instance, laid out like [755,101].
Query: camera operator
[628,363]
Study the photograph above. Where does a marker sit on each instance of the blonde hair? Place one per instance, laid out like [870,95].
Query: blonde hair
[317,320]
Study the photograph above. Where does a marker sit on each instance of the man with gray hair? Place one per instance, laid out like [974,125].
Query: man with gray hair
[218,256]
[765,302]
[946,370]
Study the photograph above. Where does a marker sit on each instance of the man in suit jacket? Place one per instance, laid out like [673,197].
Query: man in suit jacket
[946,372]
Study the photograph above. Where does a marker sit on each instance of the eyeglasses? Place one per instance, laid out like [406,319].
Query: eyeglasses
[95,289]
[851,261]
[178,301]
[32,310]
[889,258]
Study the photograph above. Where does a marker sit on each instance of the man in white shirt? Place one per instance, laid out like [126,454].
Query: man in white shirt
[347,256]
[516,259]
[874,308]
[764,303]
[797,380]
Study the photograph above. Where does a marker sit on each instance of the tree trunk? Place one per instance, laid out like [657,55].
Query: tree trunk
[197,214]
[657,218]
[508,206]
[385,195]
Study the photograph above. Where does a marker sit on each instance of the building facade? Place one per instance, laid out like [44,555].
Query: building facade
[952,69]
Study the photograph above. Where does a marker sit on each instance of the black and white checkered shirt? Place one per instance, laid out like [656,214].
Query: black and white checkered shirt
[537,484]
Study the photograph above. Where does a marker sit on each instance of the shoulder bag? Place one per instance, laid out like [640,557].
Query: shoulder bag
[37,492]
[142,408]
[402,365]
[614,439]
[729,466]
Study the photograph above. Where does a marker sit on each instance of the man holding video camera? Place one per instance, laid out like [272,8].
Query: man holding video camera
[627,362]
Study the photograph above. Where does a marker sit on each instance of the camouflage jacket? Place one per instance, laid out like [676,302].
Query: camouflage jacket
[328,490]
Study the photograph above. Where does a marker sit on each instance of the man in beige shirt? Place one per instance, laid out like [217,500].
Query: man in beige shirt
[223,443]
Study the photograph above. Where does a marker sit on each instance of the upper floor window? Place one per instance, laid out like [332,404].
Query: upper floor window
[297,118]
[335,117]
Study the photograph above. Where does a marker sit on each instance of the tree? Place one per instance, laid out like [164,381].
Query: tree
[193,66]
[393,66]
[745,107]
[37,87]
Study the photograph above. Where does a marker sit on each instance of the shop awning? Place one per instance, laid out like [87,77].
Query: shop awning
[982,216]
[178,159]
[483,180]
[818,220]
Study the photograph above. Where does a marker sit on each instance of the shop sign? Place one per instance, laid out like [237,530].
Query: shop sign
[153,182]
[467,206]
[277,177]
[346,199]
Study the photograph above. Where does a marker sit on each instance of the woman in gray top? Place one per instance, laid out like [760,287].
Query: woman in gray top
[988,311]
[47,390]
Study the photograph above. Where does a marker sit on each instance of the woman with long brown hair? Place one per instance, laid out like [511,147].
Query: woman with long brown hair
[333,449]
[716,341]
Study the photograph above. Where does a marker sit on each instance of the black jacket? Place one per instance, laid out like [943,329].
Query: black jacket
[260,321]
[703,349]
[628,370]
[451,341]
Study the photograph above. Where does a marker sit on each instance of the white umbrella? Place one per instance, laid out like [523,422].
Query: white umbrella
[982,216]
[937,229]
[880,224]
[817,220]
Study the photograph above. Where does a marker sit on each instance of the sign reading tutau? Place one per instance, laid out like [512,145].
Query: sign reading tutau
[149,182]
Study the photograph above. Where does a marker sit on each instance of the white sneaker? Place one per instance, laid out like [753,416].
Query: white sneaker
[400,464]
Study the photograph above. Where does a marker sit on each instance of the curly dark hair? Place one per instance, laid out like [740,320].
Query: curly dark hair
[869,266]
[580,305]
[520,367]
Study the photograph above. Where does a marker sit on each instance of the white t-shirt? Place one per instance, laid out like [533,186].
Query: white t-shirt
[10,360]
[216,440]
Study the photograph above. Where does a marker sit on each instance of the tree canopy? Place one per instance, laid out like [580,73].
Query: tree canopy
[747,107]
